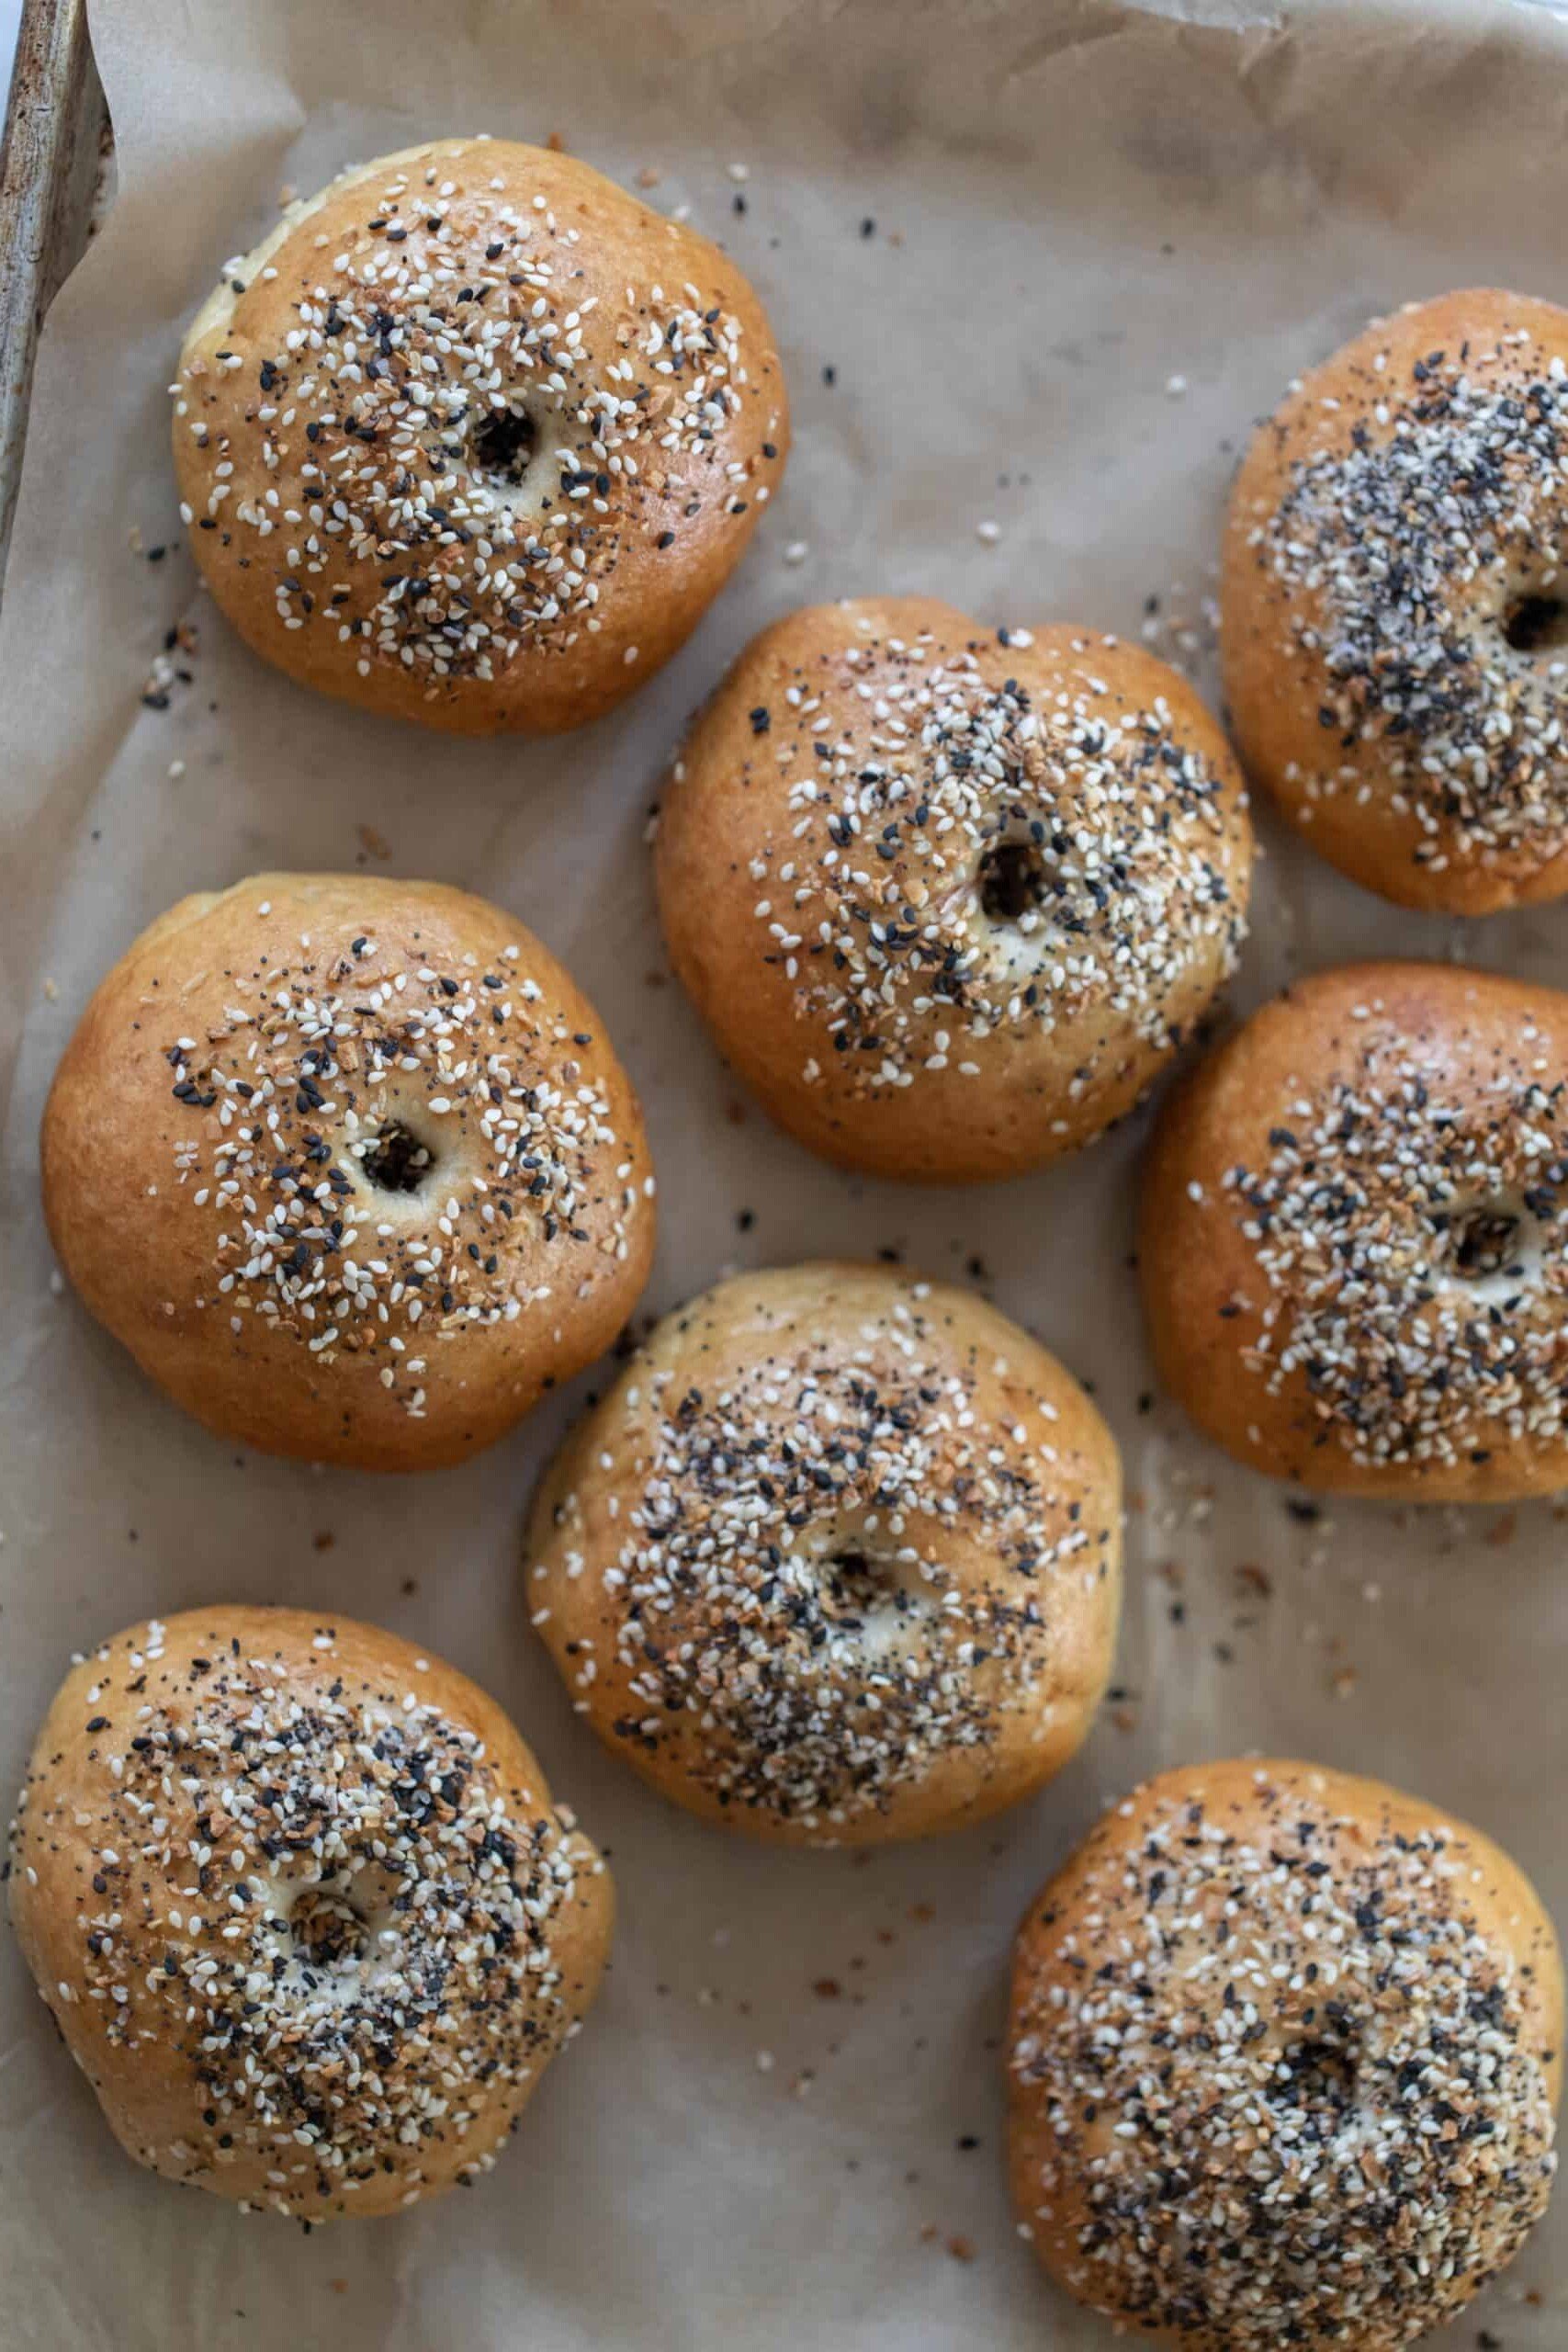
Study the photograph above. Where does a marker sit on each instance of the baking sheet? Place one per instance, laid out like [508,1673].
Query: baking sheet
[1101,239]
[56,175]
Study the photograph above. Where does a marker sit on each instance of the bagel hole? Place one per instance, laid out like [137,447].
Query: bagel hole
[1485,1240]
[854,1584]
[880,1596]
[1537,624]
[1492,1244]
[1012,880]
[398,1161]
[501,446]
[1321,2071]
[326,1927]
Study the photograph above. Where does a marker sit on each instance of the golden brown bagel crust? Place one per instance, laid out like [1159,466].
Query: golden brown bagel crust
[949,899]
[298,1901]
[231,1179]
[837,1560]
[1284,2052]
[1353,1237]
[1398,515]
[442,559]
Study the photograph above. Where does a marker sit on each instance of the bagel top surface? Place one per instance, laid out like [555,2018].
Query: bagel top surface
[349,1165]
[837,1558]
[1354,1235]
[299,1900]
[950,897]
[1284,2052]
[1395,628]
[474,436]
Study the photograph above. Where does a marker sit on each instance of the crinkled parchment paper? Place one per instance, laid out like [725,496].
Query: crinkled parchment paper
[1101,239]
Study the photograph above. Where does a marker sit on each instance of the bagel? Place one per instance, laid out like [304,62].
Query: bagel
[298,1901]
[474,438]
[1353,1242]
[949,901]
[1394,625]
[1283,2059]
[350,1167]
[837,1559]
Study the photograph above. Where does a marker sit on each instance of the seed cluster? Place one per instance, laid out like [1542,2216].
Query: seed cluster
[837,1569]
[446,454]
[966,860]
[1278,2074]
[1420,546]
[1416,1256]
[394,1151]
[312,1894]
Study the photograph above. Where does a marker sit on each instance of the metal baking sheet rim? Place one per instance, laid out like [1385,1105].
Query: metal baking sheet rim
[56,175]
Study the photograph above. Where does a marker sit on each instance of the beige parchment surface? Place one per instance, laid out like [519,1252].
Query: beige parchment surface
[1103,239]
